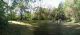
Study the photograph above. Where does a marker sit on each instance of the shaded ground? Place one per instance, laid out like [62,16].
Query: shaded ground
[41,28]
[15,28]
[71,28]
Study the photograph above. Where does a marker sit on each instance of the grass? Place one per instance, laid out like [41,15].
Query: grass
[51,28]
[16,28]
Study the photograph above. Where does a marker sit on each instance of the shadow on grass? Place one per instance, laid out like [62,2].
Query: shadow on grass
[56,28]
[43,28]
[14,29]
[48,28]
[71,30]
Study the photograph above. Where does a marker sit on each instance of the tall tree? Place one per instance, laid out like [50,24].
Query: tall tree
[22,5]
[72,9]
[3,21]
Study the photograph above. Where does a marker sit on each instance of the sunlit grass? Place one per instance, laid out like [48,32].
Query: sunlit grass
[19,23]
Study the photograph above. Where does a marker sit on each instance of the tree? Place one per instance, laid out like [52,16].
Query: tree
[58,13]
[27,16]
[3,20]
[22,5]
[12,16]
[76,7]
[17,4]
[41,14]
[72,10]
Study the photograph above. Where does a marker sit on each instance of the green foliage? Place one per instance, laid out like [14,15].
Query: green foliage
[3,20]
[27,16]
[73,9]
[58,13]
[12,16]
[46,14]
[42,14]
